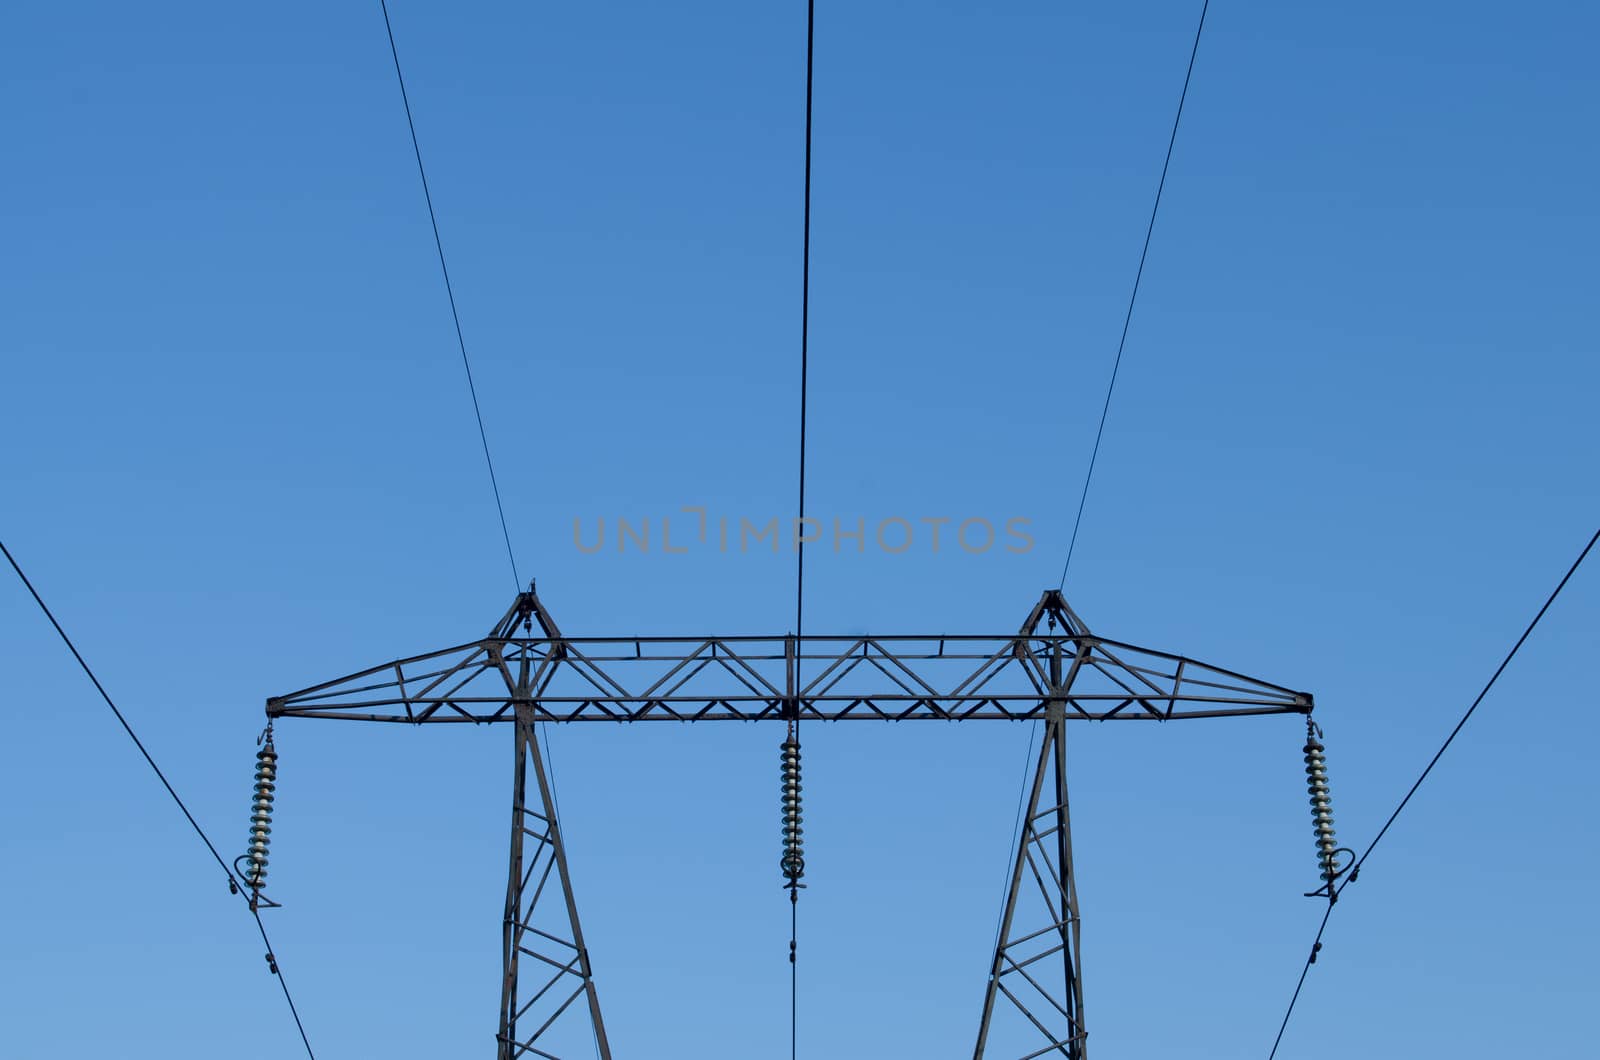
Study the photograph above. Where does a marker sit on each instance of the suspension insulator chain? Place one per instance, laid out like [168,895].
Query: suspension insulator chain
[793,862]
[1321,806]
[255,858]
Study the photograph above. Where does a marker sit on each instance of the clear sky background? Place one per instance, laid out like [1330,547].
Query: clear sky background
[1352,449]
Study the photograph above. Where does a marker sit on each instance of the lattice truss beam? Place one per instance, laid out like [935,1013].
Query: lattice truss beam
[751,678]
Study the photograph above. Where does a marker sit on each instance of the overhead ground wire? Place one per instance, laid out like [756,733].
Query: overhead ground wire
[450,295]
[1133,296]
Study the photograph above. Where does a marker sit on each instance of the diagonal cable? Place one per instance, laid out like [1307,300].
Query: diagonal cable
[233,883]
[1355,869]
[449,290]
[1133,297]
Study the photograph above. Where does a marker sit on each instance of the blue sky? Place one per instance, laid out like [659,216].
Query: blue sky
[1352,448]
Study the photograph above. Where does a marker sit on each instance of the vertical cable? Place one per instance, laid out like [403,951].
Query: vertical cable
[794,984]
[805,331]
[800,548]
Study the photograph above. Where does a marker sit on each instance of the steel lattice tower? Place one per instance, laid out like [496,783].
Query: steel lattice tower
[526,674]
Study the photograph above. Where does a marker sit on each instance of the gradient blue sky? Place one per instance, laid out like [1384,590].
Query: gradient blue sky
[1353,447]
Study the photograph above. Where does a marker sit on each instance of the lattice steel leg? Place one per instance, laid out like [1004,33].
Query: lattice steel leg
[538,930]
[1025,970]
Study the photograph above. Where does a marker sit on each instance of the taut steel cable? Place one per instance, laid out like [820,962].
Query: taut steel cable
[450,294]
[793,860]
[1355,870]
[1133,297]
[233,882]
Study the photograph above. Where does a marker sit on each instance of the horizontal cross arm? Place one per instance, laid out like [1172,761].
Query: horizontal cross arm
[754,678]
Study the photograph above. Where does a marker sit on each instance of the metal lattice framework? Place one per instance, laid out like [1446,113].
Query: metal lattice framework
[526,673]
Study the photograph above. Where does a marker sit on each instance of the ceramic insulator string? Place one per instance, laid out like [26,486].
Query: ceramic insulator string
[793,862]
[261,815]
[1321,805]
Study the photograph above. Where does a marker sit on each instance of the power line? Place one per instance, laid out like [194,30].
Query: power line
[449,290]
[800,548]
[1105,409]
[792,837]
[233,883]
[805,329]
[1496,676]
[1133,297]
[1316,946]
[461,342]
[1355,869]
[1116,365]
[277,970]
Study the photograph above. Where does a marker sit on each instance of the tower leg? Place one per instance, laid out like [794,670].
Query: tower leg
[548,933]
[1035,971]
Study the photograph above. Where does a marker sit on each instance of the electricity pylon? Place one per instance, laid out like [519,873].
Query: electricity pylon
[527,674]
